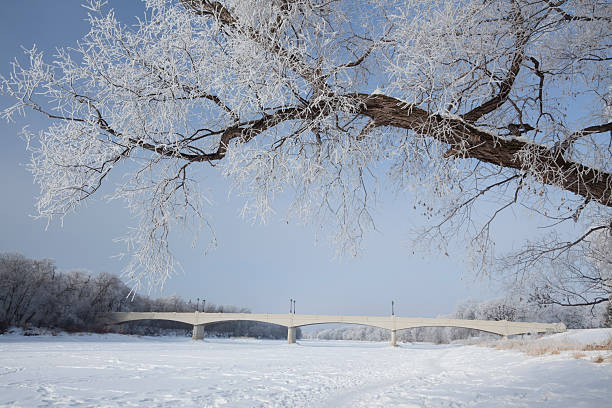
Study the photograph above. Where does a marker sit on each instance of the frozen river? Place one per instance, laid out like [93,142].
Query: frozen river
[113,370]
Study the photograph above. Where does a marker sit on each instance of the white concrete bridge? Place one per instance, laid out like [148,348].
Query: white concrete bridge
[292,321]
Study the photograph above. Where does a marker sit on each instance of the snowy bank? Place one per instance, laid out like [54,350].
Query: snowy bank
[118,370]
[593,344]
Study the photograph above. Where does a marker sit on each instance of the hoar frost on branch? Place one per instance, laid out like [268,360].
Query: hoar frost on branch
[474,100]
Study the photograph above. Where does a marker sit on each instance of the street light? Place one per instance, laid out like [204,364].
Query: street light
[290,306]
[203,305]
[392,308]
[293,306]
[198,305]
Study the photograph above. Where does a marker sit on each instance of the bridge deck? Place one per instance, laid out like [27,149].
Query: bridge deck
[502,327]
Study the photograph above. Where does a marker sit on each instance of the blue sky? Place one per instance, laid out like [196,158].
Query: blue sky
[255,266]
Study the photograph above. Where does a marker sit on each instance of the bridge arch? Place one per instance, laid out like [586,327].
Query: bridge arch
[178,320]
[347,323]
[458,327]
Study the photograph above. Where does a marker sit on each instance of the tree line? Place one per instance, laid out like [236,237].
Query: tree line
[33,293]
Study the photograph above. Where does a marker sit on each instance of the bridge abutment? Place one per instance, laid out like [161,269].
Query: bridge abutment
[198,332]
[393,338]
[291,335]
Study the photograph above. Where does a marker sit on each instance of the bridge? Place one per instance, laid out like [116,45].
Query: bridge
[292,321]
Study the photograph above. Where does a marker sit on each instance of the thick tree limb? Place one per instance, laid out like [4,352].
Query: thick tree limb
[210,8]
[481,145]
[506,85]
[570,17]
[547,166]
[224,16]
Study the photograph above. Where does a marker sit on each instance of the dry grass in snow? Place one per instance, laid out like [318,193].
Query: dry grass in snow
[591,344]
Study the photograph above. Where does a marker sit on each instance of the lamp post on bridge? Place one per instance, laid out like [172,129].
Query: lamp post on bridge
[204,305]
[198,305]
[393,331]
[291,306]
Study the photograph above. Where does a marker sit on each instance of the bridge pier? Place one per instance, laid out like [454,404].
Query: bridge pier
[393,338]
[198,332]
[291,335]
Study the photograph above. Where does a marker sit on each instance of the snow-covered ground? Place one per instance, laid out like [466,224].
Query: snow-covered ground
[115,370]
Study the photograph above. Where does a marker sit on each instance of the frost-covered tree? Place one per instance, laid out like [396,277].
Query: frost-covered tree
[34,294]
[460,101]
[518,309]
[577,273]
[24,284]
